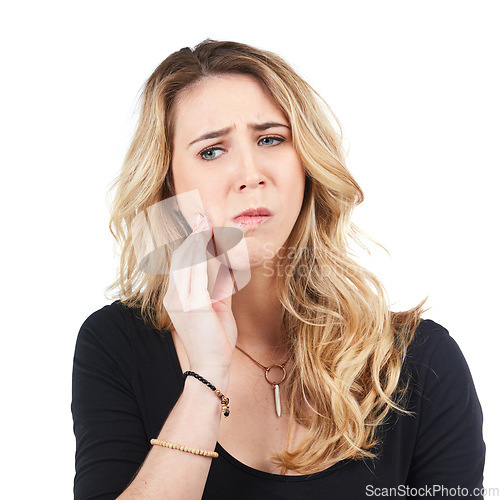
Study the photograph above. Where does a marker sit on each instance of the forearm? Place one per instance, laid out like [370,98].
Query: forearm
[194,422]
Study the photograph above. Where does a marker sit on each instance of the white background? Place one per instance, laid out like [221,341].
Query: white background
[415,87]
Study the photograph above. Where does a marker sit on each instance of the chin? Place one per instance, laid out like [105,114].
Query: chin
[248,253]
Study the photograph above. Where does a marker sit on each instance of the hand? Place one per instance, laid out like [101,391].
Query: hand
[207,330]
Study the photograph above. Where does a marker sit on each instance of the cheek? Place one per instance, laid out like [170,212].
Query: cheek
[206,197]
[182,180]
[294,183]
[187,179]
[213,199]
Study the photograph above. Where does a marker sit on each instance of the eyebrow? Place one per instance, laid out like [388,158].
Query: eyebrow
[219,133]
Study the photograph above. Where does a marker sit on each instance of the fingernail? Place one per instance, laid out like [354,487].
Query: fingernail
[202,223]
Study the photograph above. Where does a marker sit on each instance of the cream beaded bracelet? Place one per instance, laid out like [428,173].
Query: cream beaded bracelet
[172,446]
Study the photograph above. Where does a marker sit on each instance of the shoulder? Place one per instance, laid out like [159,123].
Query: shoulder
[434,351]
[437,369]
[113,321]
[108,332]
[428,336]
[115,315]
[118,336]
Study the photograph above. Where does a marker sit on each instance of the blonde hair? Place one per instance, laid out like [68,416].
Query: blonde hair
[348,347]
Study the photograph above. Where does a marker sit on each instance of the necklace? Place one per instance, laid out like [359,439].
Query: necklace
[276,385]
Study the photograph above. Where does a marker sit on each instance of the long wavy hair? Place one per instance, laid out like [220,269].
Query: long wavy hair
[347,347]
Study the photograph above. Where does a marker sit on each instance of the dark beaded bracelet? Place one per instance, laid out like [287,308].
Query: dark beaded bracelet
[224,400]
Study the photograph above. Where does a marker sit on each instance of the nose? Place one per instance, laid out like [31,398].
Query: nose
[250,174]
[252,182]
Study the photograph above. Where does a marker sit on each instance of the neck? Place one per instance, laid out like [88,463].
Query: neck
[258,315]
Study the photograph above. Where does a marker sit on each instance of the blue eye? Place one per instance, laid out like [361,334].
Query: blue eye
[210,153]
[214,152]
[267,141]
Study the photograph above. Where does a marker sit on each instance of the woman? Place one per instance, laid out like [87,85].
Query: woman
[297,374]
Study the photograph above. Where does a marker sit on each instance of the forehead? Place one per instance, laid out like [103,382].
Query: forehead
[223,101]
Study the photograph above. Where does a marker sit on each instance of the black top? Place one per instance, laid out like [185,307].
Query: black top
[127,378]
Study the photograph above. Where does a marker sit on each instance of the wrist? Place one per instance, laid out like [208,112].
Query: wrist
[193,387]
[223,398]
[217,377]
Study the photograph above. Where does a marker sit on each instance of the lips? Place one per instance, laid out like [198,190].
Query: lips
[253,212]
[253,217]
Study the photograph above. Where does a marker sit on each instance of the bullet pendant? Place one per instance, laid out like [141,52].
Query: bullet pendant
[277,399]
[274,383]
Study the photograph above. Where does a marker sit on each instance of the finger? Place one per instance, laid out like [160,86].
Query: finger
[189,269]
[224,284]
[199,296]
[193,248]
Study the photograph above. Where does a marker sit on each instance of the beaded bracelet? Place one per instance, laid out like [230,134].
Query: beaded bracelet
[224,400]
[180,447]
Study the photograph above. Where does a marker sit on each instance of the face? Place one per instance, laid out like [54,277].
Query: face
[233,145]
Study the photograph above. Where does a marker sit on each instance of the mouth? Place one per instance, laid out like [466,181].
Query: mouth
[252,217]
